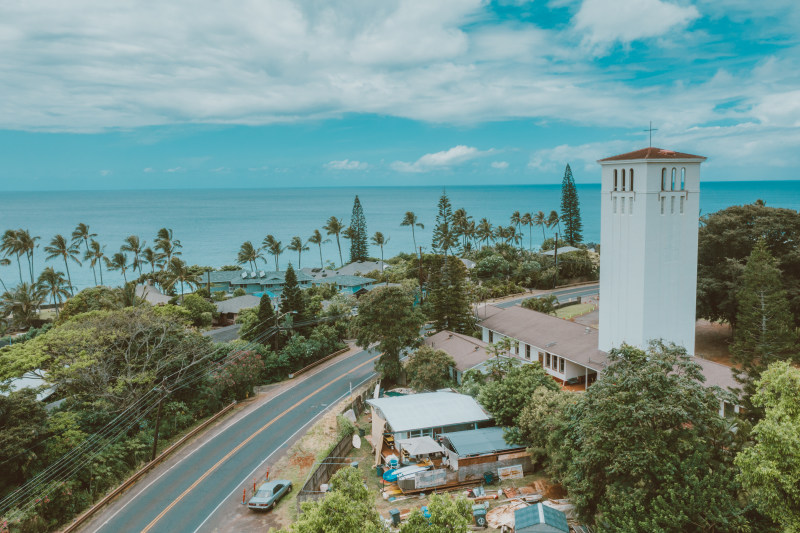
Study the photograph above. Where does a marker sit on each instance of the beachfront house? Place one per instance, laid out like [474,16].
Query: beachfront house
[255,282]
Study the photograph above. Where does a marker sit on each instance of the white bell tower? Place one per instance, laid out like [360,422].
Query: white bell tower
[648,248]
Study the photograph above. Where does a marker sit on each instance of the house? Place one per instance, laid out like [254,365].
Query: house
[348,284]
[561,250]
[254,282]
[229,309]
[426,414]
[151,295]
[356,268]
[475,451]
[466,351]
[540,518]
[470,264]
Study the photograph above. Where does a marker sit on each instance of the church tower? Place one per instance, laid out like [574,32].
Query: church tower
[648,248]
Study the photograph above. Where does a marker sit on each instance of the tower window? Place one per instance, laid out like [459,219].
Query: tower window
[622,205]
[683,178]
[615,179]
[631,179]
[681,205]
[663,179]
[672,206]
[662,210]
[623,179]
[673,178]
[614,202]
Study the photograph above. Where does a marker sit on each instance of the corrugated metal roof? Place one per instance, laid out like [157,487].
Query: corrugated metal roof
[530,519]
[236,304]
[428,410]
[479,441]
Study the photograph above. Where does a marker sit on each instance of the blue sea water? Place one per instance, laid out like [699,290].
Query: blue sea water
[212,224]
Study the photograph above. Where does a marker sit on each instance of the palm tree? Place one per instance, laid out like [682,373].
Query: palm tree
[461,222]
[136,247]
[350,233]
[4,262]
[553,219]
[539,219]
[11,245]
[297,245]
[151,258]
[316,238]
[516,220]
[95,255]
[82,233]
[334,226]
[28,245]
[527,220]
[379,240]
[484,230]
[178,272]
[53,284]
[248,254]
[273,246]
[21,304]
[168,245]
[118,261]
[59,247]
[500,233]
[410,219]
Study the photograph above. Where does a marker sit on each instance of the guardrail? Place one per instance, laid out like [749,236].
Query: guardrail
[76,523]
[318,362]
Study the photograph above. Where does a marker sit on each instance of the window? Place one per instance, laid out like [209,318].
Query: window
[663,179]
[672,206]
[662,212]
[614,201]
[631,179]
[561,365]
[541,358]
[491,333]
[547,360]
[673,178]
[527,352]
[681,205]
[615,179]
[622,209]
[683,178]
[623,179]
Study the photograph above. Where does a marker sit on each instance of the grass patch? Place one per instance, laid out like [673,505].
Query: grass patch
[572,311]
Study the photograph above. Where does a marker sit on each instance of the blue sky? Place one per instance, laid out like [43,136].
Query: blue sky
[130,94]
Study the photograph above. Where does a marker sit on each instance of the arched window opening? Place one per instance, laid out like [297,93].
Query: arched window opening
[623,179]
[674,173]
[683,178]
[663,179]
[615,179]
[631,179]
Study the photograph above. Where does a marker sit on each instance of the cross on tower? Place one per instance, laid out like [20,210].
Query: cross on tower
[651,129]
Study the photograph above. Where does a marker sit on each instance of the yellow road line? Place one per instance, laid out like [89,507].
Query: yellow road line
[243,443]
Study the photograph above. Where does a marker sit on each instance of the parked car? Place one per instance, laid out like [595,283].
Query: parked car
[269,493]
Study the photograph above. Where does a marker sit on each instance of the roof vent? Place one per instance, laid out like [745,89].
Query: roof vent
[261,273]
[588,329]
[244,274]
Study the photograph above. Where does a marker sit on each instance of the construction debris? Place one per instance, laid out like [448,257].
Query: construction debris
[503,515]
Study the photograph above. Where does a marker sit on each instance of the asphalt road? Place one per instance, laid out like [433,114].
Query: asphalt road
[226,334]
[561,294]
[185,497]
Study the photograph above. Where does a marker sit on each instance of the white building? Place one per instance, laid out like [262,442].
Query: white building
[648,237]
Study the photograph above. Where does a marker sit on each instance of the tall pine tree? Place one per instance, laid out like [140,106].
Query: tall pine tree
[292,297]
[764,325]
[444,236]
[359,250]
[570,210]
[449,297]
[265,320]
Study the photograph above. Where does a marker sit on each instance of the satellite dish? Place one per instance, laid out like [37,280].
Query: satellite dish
[356,442]
[244,274]
[261,274]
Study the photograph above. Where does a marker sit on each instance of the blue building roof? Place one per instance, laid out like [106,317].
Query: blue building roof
[540,518]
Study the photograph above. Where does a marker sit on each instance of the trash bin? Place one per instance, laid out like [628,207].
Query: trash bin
[354,464]
[362,432]
[379,470]
[395,515]
[479,513]
[488,477]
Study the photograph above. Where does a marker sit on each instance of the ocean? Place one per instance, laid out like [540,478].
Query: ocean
[212,224]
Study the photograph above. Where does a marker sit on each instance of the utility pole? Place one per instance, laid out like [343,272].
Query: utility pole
[555,254]
[420,275]
[158,422]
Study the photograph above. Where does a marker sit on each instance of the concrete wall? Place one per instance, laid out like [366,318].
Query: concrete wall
[474,467]
[648,264]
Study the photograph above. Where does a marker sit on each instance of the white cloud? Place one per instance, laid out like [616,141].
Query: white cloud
[609,21]
[148,170]
[176,169]
[221,170]
[500,165]
[105,172]
[346,164]
[554,160]
[438,160]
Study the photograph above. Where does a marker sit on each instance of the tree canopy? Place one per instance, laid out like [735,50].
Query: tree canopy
[449,298]
[506,397]
[448,515]
[570,209]
[429,369]
[359,250]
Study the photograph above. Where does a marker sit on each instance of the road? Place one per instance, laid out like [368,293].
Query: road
[185,493]
[561,294]
[226,334]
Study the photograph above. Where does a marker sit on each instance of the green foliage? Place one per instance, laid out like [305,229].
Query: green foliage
[237,379]
[201,311]
[449,297]
[348,507]
[23,422]
[387,316]
[429,369]
[507,396]
[544,304]
[345,427]
[726,239]
[444,235]
[770,470]
[644,449]
[493,267]
[550,243]
[20,306]
[292,297]
[765,329]
[527,273]
[91,299]
[541,422]
[239,292]
[257,321]
[448,515]
[174,312]
[359,250]
[28,335]
[570,209]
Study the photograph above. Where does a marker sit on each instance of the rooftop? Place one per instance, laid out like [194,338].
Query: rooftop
[479,441]
[350,269]
[562,250]
[652,153]
[540,514]
[465,350]
[428,410]
[247,277]
[236,304]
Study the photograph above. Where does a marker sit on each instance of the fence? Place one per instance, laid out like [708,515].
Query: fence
[337,458]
